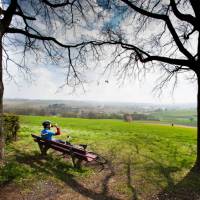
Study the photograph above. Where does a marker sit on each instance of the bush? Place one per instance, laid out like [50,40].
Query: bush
[11,127]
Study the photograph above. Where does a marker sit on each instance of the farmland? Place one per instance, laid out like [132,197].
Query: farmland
[146,161]
[177,116]
[183,114]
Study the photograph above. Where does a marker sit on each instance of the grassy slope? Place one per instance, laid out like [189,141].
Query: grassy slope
[146,158]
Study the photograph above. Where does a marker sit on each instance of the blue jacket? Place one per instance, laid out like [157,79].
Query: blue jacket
[47,134]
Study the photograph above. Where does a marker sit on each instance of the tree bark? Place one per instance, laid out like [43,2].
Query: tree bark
[197,164]
[1,106]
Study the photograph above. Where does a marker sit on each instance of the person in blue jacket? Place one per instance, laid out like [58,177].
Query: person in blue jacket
[47,134]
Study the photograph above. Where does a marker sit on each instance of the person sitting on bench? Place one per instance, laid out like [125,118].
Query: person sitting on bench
[47,134]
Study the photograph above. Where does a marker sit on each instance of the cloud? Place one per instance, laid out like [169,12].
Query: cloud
[43,85]
[46,82]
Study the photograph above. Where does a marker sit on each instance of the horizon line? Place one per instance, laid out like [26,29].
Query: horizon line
[100,101]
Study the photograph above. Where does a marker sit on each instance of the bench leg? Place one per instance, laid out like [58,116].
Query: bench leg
[43,149]
[76,162]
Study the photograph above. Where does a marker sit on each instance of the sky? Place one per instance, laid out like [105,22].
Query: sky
[46,82]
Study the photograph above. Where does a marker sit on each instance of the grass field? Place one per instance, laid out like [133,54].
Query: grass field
[177,116]
[146,161]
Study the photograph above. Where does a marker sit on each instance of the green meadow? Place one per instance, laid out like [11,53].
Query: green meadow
[145,160]
[177,116]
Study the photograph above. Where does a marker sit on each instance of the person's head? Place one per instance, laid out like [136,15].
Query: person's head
[46,124]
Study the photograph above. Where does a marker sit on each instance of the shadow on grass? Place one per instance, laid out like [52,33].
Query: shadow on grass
[129,181]
[187,189]
[61,170]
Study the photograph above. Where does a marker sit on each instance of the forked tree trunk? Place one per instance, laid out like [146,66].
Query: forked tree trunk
[1,106]
[197,164]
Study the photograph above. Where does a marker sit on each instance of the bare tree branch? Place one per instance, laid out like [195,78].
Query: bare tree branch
[184,17]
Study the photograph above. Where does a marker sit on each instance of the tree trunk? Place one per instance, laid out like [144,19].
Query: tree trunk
[197,164]
[1,106]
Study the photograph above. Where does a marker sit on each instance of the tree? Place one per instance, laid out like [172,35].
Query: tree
[39,29]
[128,117]
[155,34]
[141,35]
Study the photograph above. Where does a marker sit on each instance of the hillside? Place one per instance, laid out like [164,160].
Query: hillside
[146,161]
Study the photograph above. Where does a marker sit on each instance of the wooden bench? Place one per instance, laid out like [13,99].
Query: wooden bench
[77,154]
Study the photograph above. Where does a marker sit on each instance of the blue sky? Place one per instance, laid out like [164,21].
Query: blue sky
[5,1]
[118,13]
[117,17]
